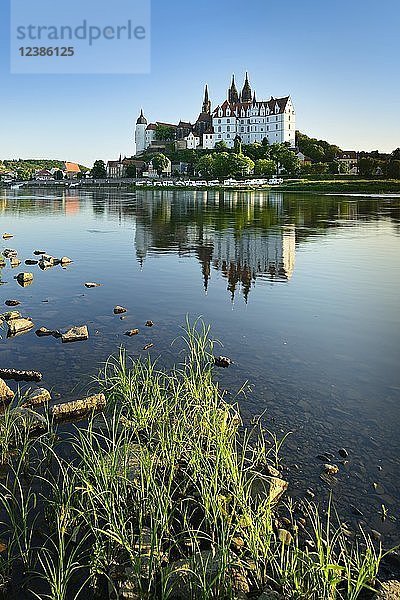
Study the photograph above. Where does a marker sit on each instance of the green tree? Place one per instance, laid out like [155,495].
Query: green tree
[130,171]
[264,167]
[240,165]
[165,133]
[160,163]
[99,170]
[220,146]
[205,166]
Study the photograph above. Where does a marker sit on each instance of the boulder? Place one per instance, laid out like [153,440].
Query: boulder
[36,397]
[45,264]
[78,409]
[64,260]
[10,315]
[9,252]
[75,334]
[389,590]
[16,326]
[30,261]
[91,284]
[30,420]
[118,310]
[7,236]
[149,323]
[24,279]
[222,361]
[44,332]
[39,252]
[6,393]
[14,262]
[266,487]
[20,375]
[12,302]
[131,332]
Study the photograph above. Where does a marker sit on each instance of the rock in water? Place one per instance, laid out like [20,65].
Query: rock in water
[36,397]
[75,334]
[20,375]
[331,469]
[39,252]
[6,393]
[149,323]
[131,332]
[12,302]
[7,236]
[78,409]
[30,261]
[118,310]
[222,361]
[14,262]
[148,346]
[9,252]
[24,279]
[65,260]
[19,325]
[343,453]
[91,284]
[44,332]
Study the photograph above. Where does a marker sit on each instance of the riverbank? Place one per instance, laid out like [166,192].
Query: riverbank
[167,495]
[362,186]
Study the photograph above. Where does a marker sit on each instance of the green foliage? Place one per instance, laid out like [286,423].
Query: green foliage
[165,133]
[99,170]
[264,168]
[160,162]
[130,171]
[224,164]
[316,150]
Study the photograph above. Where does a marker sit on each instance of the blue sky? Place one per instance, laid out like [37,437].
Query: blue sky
[339,60]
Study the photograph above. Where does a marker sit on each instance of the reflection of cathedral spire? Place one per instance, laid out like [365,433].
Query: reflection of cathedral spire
[204,254]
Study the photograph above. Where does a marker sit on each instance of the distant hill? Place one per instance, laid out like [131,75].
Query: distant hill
[32,164]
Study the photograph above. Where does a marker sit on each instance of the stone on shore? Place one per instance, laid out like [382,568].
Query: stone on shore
[37,397]
[6,393]
[267,487]
[78,409]
[75,334]
[389,590]
[16,326]
[118,310]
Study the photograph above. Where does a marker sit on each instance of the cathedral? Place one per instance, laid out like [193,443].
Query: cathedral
[241,116]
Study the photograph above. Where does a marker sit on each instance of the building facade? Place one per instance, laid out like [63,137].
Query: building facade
[240,115]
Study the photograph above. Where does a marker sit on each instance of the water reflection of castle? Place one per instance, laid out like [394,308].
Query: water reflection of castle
[242,255]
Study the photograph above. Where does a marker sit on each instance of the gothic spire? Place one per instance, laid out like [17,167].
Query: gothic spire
[142,119]
[206,102]
[233,96]
[246,91]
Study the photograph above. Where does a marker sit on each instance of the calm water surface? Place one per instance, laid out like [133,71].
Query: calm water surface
[303,291]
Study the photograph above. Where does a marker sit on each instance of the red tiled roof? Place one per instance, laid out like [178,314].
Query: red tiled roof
[72,167]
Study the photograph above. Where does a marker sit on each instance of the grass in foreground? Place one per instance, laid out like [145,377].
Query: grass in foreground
[165,496]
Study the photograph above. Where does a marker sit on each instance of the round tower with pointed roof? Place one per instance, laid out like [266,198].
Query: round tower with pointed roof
[140,133]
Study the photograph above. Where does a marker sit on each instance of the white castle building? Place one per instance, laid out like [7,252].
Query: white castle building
[241,116]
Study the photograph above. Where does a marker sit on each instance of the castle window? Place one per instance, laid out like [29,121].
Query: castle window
[267,127]
[228,120]
[228,128]
[276,126]
[228,135]
[219,128]
[219,120]
[219,136]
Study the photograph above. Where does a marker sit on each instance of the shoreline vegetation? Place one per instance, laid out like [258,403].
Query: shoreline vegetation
[166,494]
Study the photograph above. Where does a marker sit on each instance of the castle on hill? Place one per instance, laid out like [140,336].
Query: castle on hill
[240,116]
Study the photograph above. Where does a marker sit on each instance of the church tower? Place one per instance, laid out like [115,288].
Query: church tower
[206,103]
[233,96]
[140,133]
[246,91]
